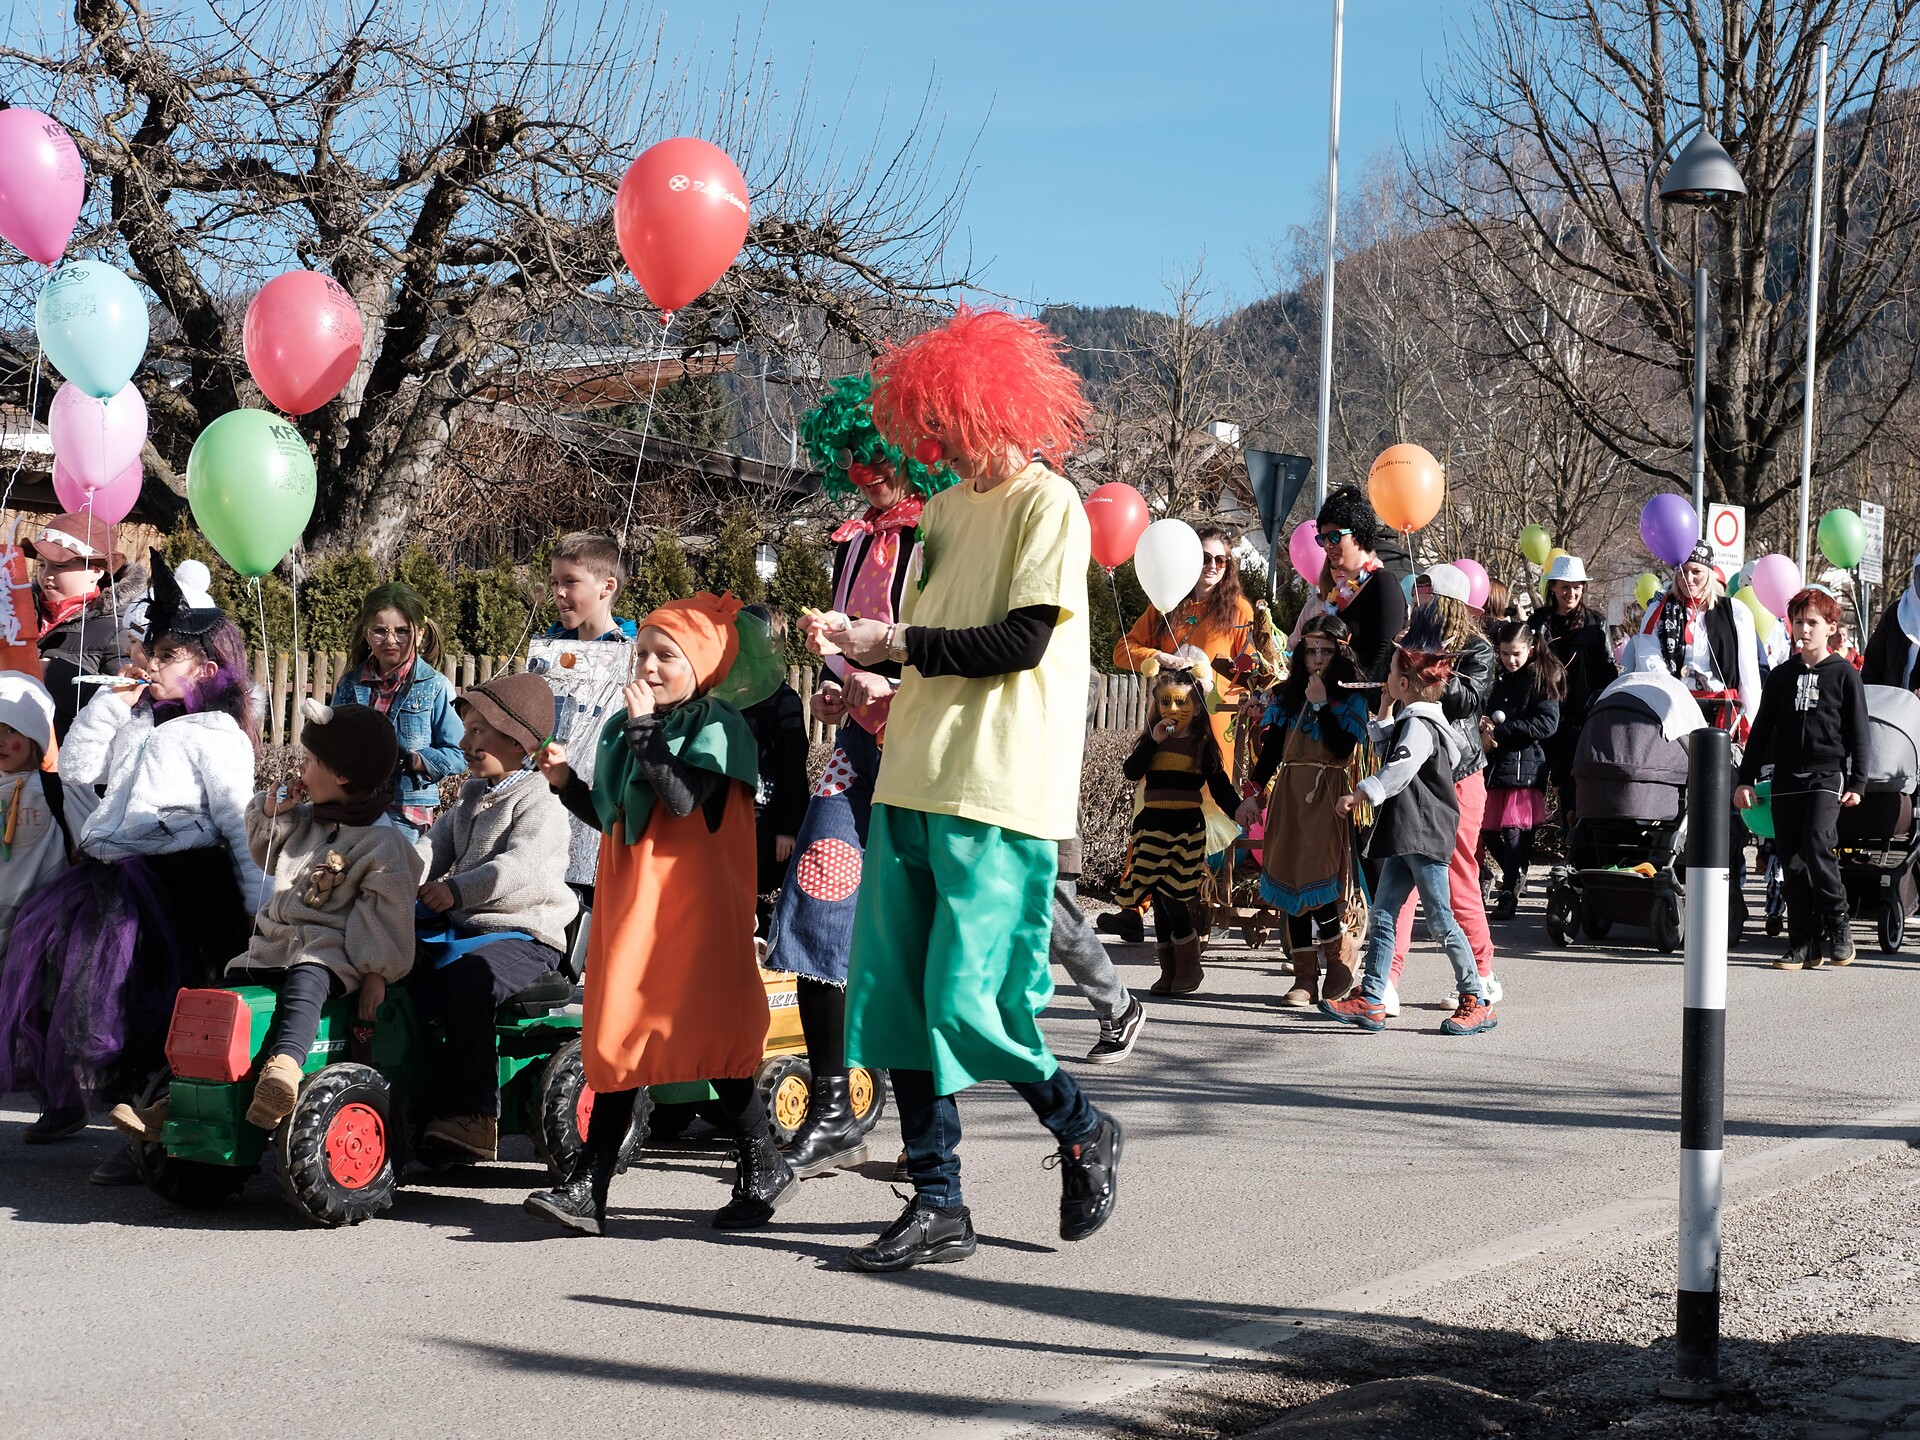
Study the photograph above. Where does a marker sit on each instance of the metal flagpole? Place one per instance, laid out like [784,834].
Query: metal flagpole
[1326,278]
[1813,307]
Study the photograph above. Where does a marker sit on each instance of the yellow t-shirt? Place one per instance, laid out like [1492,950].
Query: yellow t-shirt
[1005,750]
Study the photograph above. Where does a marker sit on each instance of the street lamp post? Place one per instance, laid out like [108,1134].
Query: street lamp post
[1704,175]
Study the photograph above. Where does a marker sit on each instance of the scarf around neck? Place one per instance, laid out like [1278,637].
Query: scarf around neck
[705,734]
[355,809]
[904,514]
[1672,626]
[383,690]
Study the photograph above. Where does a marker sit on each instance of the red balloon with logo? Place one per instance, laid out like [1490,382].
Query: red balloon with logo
[681,218]
[1117,516]
[302,340]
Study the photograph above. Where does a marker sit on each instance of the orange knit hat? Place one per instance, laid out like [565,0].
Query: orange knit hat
[703,629]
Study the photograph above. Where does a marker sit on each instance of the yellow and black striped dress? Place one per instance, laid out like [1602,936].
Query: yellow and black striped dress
[1168,853]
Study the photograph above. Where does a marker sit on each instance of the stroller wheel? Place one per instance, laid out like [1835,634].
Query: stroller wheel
[1893,926]
[1563,914]
[1667,924]
[1593,924]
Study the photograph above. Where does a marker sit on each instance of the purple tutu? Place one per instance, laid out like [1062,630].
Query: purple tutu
[94,963]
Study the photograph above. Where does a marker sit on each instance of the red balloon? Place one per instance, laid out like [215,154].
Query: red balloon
[680,218]
[302,340]
[1118,517]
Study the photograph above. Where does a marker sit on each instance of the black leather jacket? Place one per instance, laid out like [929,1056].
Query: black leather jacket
[1465,700]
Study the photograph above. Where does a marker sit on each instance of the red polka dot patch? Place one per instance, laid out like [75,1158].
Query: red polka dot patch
[838,775]
[829,870]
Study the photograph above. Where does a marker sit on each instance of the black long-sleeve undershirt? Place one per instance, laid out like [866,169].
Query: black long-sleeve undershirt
[677,785]
[1016,643]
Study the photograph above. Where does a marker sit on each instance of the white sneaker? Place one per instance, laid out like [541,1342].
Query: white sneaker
[1490,992]
[1390,1001]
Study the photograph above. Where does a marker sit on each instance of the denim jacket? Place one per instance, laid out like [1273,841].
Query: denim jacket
[424,720]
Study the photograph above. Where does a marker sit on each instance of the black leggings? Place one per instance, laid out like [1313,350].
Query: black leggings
[304,991]
[1301,928]
[613,1113]
[1172,920]
[823,1020]
[1511,847]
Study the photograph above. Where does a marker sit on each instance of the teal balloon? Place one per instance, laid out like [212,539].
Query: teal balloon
[250,485]
[92,324]
[1843,538]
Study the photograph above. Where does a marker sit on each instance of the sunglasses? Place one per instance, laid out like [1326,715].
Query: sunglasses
[1211,561]
[1330,538]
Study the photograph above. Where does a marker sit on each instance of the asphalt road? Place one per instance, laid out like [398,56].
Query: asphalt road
[1272,1157]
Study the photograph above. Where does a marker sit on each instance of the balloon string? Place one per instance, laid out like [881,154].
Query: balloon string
[1115,588]
[646,425]
[266,871]
[33,389]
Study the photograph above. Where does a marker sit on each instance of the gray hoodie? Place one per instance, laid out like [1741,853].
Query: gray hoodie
[1416,809]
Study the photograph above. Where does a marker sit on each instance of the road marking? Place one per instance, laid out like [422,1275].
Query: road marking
[1650,1212]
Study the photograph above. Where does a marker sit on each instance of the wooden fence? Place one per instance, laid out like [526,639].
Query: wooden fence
[1114,702]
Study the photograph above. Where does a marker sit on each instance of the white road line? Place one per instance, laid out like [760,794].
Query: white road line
[1650,1212]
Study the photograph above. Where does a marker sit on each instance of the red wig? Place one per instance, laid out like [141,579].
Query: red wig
[983,383]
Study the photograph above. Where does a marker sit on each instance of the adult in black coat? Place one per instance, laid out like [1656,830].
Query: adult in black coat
[779,725]
[1578,639]
[1368,596]
[1893,652]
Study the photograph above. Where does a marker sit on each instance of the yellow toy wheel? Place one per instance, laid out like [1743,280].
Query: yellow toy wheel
[867,1089]
[786,1089]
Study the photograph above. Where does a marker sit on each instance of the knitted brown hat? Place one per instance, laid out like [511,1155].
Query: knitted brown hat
[520,707]
[356,742]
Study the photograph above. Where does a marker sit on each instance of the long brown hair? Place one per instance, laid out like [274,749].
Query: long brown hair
[396,595]
[1222,607]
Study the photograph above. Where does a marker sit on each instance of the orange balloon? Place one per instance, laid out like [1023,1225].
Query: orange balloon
[1406,485]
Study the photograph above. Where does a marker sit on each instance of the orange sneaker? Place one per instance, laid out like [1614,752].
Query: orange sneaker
[1356,1010]
[1473,1017]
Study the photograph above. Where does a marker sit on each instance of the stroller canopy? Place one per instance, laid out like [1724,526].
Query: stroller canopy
[1627,765]
[1892,762]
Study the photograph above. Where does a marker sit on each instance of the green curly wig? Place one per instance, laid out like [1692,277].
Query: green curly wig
[839,432]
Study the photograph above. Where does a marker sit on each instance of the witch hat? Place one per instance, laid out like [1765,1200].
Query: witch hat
[170,614]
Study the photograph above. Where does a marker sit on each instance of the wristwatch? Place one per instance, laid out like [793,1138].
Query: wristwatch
[896,644]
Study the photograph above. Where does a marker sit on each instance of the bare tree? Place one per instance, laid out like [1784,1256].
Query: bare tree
[1550,112]
[456,177]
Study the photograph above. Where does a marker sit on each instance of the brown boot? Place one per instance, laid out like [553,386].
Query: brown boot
[1187,970]
[1163,952]
[144,1124]
[475,1135]
[1305,993]
[1337,954]
[275,1092]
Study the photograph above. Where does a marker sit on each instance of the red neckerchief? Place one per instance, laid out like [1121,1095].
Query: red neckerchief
[902,515]
[61,611]
[383,690]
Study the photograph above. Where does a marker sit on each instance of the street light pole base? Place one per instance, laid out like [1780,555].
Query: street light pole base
[1691,1392]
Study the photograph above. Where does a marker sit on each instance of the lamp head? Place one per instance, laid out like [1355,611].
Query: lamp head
[1702,174]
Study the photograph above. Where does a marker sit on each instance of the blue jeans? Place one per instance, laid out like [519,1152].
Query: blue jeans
[1400,876]
[930,1126]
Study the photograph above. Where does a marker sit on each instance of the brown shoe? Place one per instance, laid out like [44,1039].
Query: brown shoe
[1187,970]
[144,1124]
[1163,952]
[1337,954]
[1305,993]
[274,1092]
[475,1135]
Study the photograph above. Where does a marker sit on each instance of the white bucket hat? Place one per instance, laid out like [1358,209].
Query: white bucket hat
[26,706]
[1569,568]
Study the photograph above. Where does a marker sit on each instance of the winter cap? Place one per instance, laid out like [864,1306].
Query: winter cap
[26,706]
[1448,580]
[520,707]
[1568,569]
[356,742]
[703,628]
[190,577]
[1701,554]
[74,537]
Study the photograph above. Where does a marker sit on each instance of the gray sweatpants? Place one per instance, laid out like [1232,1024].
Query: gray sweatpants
[1078,951]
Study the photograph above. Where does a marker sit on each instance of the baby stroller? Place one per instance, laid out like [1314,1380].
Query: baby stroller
[1630,780]
[1878,841]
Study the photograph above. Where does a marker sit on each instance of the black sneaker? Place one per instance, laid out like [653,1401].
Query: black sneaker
[923,1235]
[56,1124]
[1839,946]
[1089,1179]
[1125,924]
[119,1168]
[1117,1036]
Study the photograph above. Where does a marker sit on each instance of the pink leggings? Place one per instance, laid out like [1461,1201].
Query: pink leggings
[1463,883]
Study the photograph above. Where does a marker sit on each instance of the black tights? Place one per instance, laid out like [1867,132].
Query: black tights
[1301,928]
[823,1020]
[1511,847]
[1172,920]
[613,1113]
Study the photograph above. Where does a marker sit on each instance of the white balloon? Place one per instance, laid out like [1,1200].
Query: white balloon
[1167,563]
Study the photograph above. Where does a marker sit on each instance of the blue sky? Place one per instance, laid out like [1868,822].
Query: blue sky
[1120,140]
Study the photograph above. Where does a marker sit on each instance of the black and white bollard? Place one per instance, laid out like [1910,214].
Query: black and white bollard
[1703,1054]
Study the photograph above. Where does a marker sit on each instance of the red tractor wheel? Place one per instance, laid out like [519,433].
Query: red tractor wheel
[336,1148]
[563,1104]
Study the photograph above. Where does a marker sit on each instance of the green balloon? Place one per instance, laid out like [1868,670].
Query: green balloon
[1843,538]
[250,485]
[1536,544]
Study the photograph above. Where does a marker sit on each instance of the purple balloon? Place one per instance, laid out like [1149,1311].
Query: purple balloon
[1669,528]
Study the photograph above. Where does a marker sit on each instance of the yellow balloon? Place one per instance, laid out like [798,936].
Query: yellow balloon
[1761,615]
[1552,555]
[1646,587]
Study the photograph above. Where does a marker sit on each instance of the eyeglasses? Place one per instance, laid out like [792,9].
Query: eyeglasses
[1211,561]
[380,632]
[1330,538]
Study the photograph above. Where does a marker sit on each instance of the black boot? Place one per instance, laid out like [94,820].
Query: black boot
[55,1124]
[830,1135]
[578,1202]
[1089,1179]
[762,1183]
[1125,924]
[922,1235]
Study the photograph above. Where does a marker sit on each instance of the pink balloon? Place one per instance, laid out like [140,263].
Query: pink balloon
[1775,581]
[1478,581]
[111,502]
[1303,548]
[42,184]
[302,340]
[97,439]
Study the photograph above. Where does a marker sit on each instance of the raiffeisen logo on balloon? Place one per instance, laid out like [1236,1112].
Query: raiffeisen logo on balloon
[684,182]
